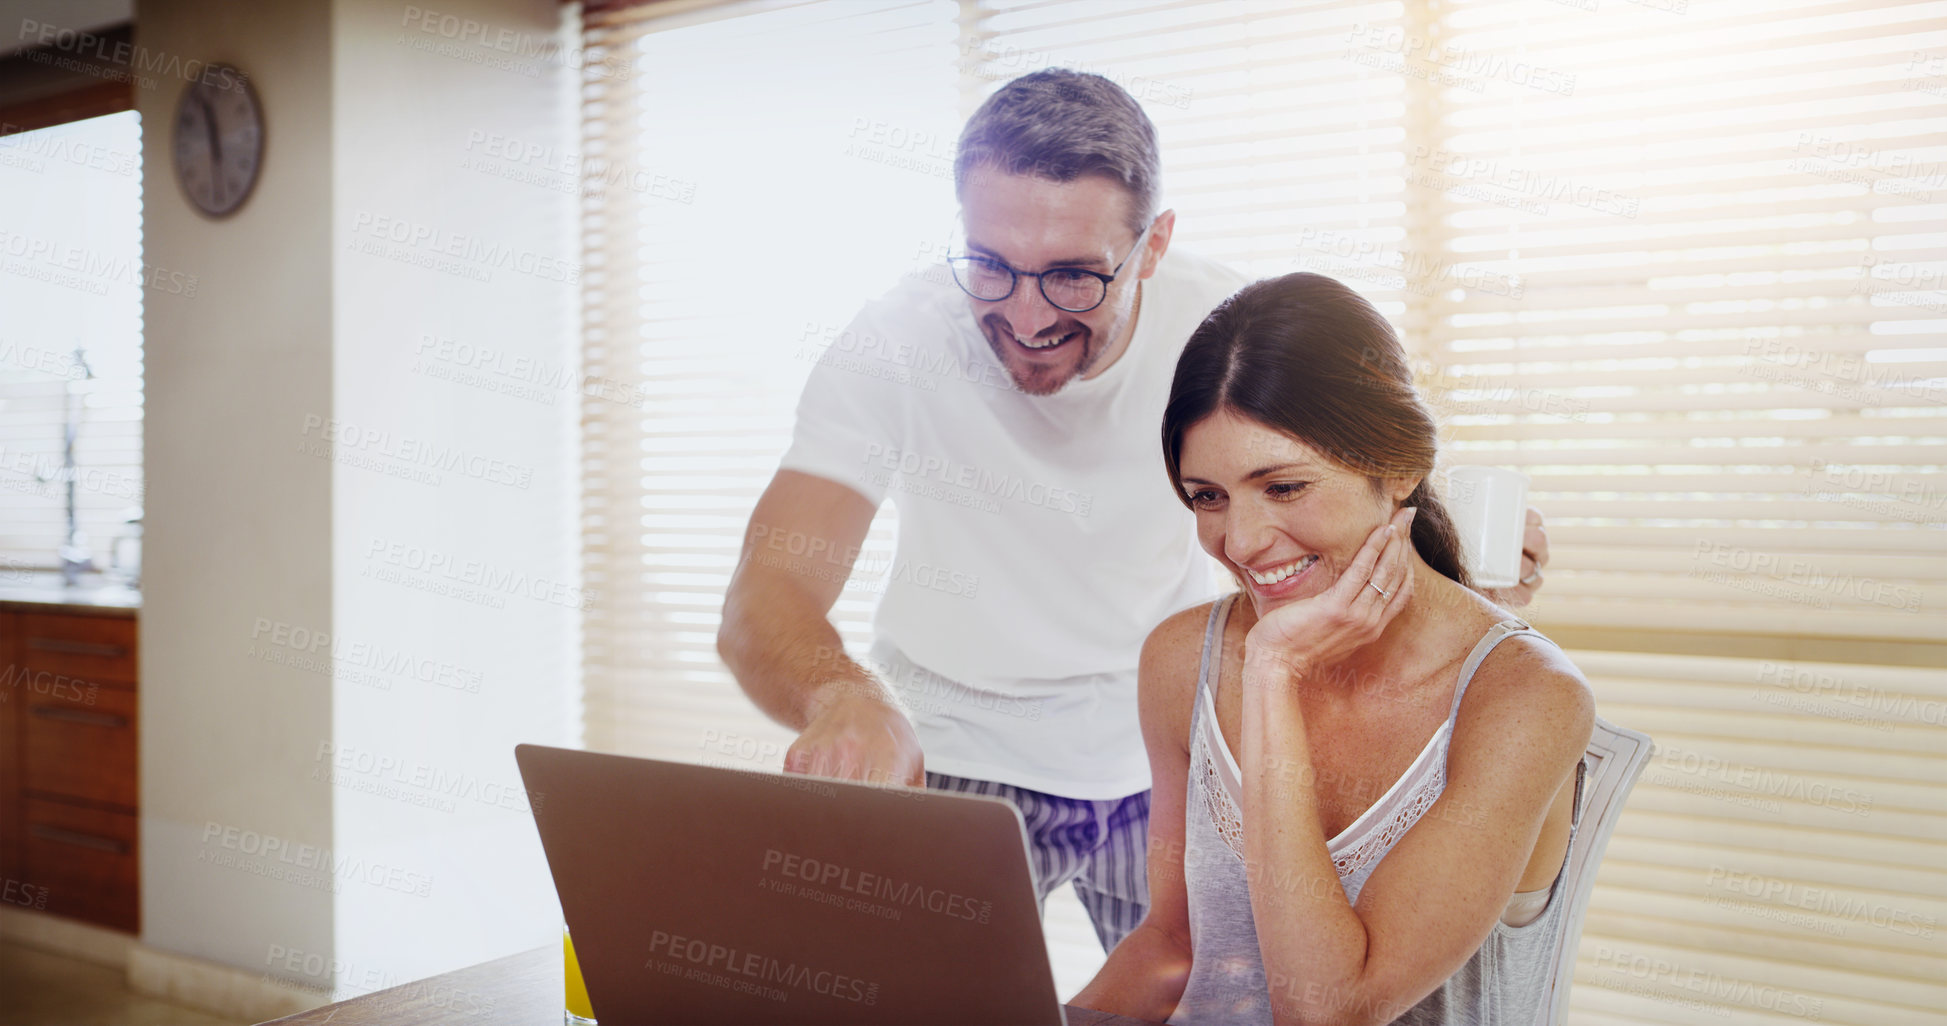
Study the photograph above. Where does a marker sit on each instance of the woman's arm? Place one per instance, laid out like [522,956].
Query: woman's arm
[1145,974]
[1426,909]
[1523,725]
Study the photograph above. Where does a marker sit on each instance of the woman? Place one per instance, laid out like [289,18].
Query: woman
[1387,843]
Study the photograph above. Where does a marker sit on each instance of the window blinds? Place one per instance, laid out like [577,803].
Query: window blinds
[71,276]
[753,181]
[1724,366]
[1780,858]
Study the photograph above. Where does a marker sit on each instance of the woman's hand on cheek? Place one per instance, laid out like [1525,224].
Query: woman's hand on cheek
[1294,640]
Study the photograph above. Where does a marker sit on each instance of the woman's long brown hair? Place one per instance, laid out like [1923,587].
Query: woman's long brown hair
[1305,355]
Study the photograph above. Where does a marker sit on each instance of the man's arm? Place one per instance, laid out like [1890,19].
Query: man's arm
[776,638]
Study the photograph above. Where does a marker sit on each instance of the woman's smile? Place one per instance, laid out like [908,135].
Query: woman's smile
[1282,580]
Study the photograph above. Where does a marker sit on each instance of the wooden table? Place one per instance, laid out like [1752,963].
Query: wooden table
[519,990]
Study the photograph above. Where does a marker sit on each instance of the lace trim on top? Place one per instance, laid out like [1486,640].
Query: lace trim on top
[1377,841]
[1224,813]
[1365,842]
[1370,845]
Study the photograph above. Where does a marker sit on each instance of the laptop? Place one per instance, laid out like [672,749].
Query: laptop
[698,894]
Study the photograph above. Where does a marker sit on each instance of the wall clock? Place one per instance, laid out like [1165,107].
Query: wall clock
[219,140]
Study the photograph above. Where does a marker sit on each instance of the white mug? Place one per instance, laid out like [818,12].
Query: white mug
[1489,506]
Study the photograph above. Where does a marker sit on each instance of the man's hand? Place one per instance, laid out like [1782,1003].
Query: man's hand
[1534,556]
[778,639]
[855,734]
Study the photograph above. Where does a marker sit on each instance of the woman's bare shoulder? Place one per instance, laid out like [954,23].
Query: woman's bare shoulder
[1527,692]
[1178,640]
[1172,655]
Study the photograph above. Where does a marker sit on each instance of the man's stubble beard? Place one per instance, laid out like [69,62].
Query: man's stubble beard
[1091,351]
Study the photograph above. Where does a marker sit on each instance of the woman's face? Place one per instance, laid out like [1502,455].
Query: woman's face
[1284,519]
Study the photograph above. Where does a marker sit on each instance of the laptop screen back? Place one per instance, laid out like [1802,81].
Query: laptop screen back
[704,895]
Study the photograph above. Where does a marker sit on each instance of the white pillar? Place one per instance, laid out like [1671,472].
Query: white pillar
[331,450]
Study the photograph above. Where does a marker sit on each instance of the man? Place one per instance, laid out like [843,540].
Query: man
[1039,541]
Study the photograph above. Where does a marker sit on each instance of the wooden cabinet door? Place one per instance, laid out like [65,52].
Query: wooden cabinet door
[69,791]
[96,649]
[10,738]
[78,743]
[85,860]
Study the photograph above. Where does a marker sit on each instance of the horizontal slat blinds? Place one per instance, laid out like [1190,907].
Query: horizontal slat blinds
[1726,365]
[1784,855]
[716,281]
[71,275]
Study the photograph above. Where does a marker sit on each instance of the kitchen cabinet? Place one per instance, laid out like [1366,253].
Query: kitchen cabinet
[69,795]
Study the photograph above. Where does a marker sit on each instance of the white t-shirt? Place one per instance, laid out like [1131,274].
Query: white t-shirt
[1039,538]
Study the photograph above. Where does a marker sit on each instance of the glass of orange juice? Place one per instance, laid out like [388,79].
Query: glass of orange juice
[578,1011]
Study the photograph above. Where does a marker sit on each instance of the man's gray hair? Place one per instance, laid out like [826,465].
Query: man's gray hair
[1060,125]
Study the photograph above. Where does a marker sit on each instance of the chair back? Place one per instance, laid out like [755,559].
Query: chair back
[1615,758]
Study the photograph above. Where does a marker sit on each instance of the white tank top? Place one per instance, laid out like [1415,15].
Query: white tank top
[1507,977]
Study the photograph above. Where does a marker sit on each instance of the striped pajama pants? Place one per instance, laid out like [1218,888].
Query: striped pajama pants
[1096,845]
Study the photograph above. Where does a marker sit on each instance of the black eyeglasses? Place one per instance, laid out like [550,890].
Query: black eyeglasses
[1074,289]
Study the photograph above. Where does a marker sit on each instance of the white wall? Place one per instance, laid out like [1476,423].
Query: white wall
[448,593]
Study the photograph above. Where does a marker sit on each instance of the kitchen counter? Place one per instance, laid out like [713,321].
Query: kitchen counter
[42,591]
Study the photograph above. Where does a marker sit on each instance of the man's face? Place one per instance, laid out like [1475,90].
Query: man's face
[1032,224]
